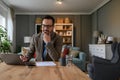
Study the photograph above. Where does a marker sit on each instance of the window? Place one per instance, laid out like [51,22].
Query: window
[6,20]
[2,21]
[2,29]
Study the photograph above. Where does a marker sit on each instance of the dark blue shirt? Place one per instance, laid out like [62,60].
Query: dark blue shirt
[44,51]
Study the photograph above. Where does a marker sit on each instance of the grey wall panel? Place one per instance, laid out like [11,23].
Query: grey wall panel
[77,32]
[109,19]
[22,29]
[31,25]
[86,32]
[94,25]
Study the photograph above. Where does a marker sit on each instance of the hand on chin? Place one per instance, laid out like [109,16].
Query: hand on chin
[46,36]
[47,32]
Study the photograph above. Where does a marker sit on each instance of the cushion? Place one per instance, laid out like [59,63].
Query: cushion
[74,53]
[65,52]
[24,50]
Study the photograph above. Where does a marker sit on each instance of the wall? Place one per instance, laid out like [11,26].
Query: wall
[108,19]
[25,26]
[86,32]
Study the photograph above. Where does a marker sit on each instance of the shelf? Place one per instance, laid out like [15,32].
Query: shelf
[64,24]
[68,43]
[65,36]
[64,30]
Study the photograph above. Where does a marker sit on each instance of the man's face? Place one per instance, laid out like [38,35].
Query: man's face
[47,26]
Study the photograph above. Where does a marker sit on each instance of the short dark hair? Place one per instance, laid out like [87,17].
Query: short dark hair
[49,17]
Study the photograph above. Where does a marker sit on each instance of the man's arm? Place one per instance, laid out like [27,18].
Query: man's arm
[30,53]
[32,47]
[54,49]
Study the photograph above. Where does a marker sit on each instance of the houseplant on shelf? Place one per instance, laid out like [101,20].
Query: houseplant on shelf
[5,45]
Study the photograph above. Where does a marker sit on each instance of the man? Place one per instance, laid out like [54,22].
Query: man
[46,45]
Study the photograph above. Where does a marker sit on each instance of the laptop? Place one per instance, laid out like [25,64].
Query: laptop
[14,59]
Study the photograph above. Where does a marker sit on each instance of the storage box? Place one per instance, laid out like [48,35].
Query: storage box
[58,27]
[67,20]
[60,20]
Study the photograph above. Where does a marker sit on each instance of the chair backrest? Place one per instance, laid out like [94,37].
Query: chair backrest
[76,48]
[82,56]
[116,52]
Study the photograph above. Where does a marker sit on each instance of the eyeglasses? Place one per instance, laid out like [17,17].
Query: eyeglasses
[47,26]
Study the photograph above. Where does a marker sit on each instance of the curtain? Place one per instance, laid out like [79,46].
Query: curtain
[10,24]
[8,13]
[3,9]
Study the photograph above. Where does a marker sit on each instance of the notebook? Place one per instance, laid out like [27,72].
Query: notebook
[14,59]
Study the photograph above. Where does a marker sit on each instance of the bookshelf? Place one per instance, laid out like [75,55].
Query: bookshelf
[66,31]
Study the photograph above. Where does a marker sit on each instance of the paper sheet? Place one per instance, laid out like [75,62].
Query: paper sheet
[47,63]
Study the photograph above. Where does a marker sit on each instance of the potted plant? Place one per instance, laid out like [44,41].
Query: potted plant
[5,45]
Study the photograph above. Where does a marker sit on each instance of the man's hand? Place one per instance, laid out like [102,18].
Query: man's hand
[46,38]
[23,58]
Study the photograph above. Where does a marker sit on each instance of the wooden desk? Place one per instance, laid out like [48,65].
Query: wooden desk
[13,72]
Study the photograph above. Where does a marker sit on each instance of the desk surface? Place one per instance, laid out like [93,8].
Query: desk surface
[14,72]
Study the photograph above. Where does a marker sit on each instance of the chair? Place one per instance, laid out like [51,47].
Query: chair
[102,69]
[79,57]
[80,61]
[75,48]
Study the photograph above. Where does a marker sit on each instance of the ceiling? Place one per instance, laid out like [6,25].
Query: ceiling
[50,6]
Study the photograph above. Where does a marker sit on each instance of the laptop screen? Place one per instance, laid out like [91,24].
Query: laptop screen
[14,59]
